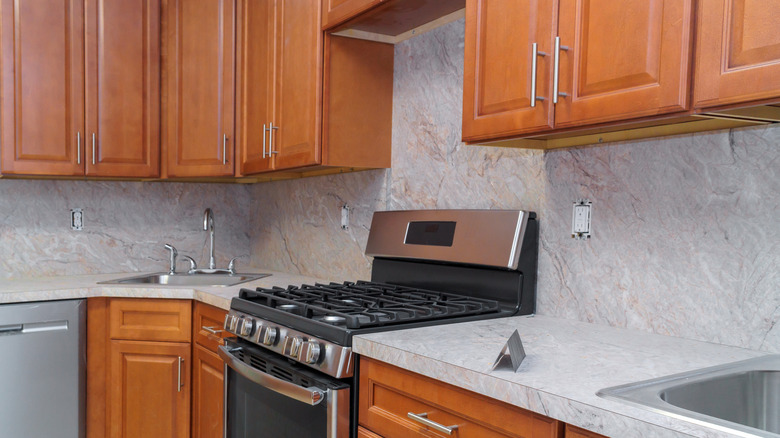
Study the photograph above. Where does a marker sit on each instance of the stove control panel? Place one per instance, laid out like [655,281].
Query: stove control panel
[332,359]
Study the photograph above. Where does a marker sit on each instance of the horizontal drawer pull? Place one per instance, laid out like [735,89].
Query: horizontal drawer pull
[423,419]
[212,330]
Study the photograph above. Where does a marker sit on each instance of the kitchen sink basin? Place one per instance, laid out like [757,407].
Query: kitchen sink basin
[740,397]
[188,279]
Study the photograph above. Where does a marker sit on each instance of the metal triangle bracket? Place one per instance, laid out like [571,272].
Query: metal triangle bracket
[512,354]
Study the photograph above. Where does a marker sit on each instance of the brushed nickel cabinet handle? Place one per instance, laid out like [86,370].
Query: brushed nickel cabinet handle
[78,147]
[535,53]
[556,68]
[423,419]
[180,362]
[212,330]
[93,148]
[265,129]
[224,148]
[271,150]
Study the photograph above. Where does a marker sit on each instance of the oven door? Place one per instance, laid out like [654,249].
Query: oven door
[267,396]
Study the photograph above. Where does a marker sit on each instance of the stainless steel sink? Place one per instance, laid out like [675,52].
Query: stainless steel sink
[742,397]
[188,279]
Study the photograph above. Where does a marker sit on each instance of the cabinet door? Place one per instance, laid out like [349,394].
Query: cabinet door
[498,74]
[255,83]
[625,60]
[42,77]
[737,52]
[200,88]
[149,391]
[298,85]
[123,88]
[338,11]
[207,394]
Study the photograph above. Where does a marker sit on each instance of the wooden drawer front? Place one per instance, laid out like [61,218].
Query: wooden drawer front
[150,320]
[576,432]
[365,433]
[207,320]
[388,394]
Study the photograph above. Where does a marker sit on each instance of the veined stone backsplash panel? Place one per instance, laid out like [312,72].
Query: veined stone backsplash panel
[686,232]
[125,225]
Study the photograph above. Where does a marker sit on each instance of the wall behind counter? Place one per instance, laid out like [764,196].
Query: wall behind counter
[686,237]
[125,225]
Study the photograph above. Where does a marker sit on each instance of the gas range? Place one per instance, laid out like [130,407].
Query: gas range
[430,267]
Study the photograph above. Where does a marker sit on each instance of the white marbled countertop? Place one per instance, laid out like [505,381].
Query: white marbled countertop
[567,362]
[83,286]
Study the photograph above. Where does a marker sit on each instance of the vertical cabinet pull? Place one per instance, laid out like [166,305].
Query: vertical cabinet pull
[93,148]
[179,379]
[535,53]
[224,148]
[556,68]
[78,147]
[265,129]
[271,150]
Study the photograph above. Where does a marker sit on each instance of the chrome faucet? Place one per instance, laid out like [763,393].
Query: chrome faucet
[174,254]
[208,225]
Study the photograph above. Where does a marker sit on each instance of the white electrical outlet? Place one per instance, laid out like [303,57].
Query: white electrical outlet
[345,217]
[581,219]
[76,219]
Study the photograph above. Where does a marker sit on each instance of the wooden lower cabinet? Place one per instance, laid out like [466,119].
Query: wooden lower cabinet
[148,389]
[576,432]
[207,393]
[388,394]
[365,433]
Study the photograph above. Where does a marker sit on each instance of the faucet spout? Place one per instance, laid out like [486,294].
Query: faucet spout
[208,225]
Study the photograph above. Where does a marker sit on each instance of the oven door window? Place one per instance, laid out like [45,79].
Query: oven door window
[282,400]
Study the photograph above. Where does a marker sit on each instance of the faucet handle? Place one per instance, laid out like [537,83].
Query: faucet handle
[232,265]
[174,254]
[193,265]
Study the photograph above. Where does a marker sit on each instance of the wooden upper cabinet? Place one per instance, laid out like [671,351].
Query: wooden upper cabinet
[498,67]
[42,78]
[624,60]
[255,83]
[123,88]
[337,11]
[737,52]
[200,88]
[298,85]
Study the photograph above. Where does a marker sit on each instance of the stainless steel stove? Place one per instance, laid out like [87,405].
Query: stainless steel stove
[430,267]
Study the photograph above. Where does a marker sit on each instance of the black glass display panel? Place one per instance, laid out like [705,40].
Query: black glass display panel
[430,233]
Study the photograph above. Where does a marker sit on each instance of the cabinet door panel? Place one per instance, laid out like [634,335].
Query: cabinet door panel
[255,82]
[144,393]
[737,52]
[42,86]
[498,67]
[337,11]
[200,88]
[626,59]
[123,88]
[207,394]
[298,84]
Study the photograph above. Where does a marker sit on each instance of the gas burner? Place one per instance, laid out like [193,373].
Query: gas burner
[290,308]
[335,320]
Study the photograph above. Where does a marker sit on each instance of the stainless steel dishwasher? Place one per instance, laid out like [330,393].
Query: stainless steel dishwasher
[43,369]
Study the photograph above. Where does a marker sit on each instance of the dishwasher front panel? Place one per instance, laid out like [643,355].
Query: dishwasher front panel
[43,369]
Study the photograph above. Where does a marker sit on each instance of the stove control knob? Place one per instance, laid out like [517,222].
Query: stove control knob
[268,335]
[292,345]
[233,325]
[247,327]
[310,352]
[228,318]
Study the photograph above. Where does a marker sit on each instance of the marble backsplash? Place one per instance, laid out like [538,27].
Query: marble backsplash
[125,225]
[686,237]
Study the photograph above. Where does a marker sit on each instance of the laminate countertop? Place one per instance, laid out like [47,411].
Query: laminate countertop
[567,362]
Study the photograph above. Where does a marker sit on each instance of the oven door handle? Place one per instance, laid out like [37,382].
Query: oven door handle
[311,396]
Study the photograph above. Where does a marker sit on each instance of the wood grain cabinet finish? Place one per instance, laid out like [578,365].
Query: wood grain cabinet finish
[737,52]
[616,61]
[625,60]
[122,136]
[576,432]
[337,11]
[200,88]
[42,49]
[499,79]
[388,394]
[149,391]
[54,124]
[280,85]
[207,371]
[150,320]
